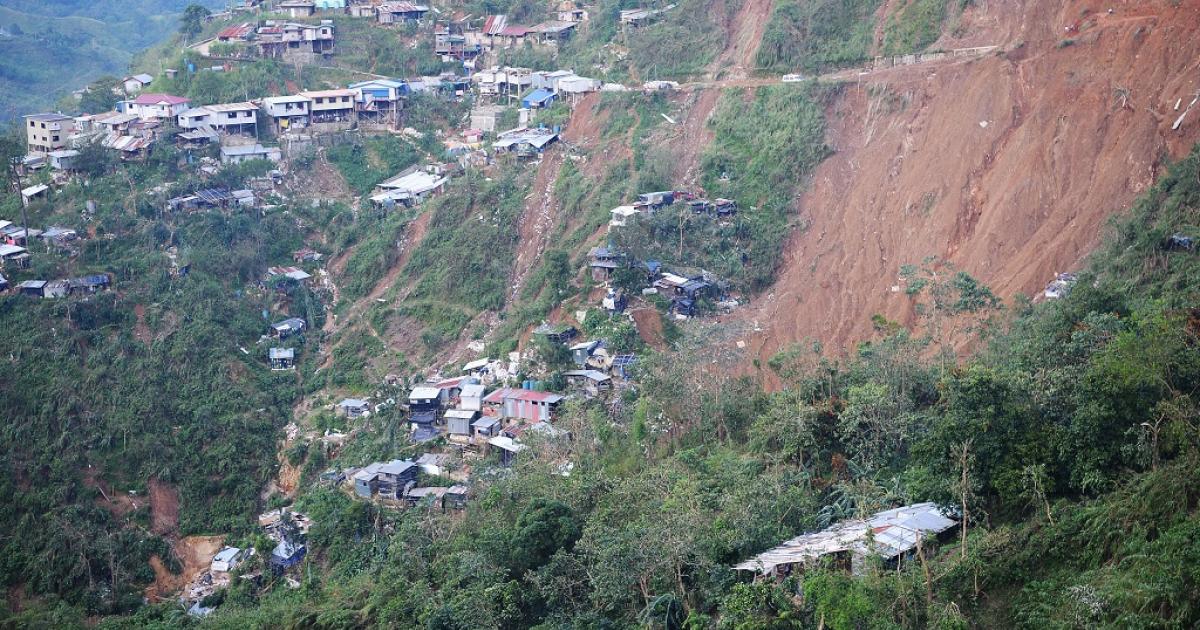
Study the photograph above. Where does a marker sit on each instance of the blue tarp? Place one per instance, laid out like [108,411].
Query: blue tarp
[538,98]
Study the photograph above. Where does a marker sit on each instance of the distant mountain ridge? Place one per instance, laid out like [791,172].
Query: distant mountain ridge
[48,49]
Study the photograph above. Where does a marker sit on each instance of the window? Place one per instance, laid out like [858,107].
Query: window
[56,138]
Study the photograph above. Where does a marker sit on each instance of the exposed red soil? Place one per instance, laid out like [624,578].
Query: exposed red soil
[743,36]
[164,507]
[649,327]
[694,136]
[1007,166]
[538,219]
[195,553]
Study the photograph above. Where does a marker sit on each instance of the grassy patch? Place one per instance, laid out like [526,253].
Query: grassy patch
[762,152]
[469,248]
[914,26]
[371,161]
[818,35]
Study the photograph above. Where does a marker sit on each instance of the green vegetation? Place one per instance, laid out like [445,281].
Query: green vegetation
[145,382]
[48,49]
[366,163]
[817,36]
[365,47]
[761,154]
[917,24]
[1074,429]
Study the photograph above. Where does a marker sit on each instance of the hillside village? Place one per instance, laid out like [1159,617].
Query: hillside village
[493,409]
[469,291]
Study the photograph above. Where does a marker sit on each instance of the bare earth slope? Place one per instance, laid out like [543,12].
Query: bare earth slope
[1008,166]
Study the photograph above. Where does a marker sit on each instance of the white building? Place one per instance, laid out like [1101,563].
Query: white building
[224,118]
[158,106]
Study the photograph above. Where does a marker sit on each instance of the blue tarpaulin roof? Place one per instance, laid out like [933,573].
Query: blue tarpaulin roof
[538,97]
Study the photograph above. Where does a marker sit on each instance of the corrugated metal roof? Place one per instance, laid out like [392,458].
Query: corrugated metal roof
[886,534]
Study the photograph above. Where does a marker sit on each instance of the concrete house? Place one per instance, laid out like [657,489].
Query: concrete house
[226,118]
[332,110]
[136,83]
[297,8]
[47,132]
[282,358]
[287,112]
[158,106]
[380,102]
[401,13]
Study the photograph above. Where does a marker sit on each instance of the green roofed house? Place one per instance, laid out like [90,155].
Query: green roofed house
[557,333]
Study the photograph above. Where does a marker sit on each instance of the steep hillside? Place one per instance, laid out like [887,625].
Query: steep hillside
[48,49]
[1006,166]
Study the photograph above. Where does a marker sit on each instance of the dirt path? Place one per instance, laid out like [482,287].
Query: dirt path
[141,331]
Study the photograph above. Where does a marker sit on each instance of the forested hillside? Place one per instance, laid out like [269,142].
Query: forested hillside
[49,49]
[865,342]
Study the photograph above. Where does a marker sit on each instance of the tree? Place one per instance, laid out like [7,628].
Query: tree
[192,21]
[542,529]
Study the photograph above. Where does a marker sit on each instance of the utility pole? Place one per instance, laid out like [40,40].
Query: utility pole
[15,168]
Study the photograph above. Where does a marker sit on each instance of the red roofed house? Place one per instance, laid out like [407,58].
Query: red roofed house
[237,31]
[512,35]
[158,106]
[523,404]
